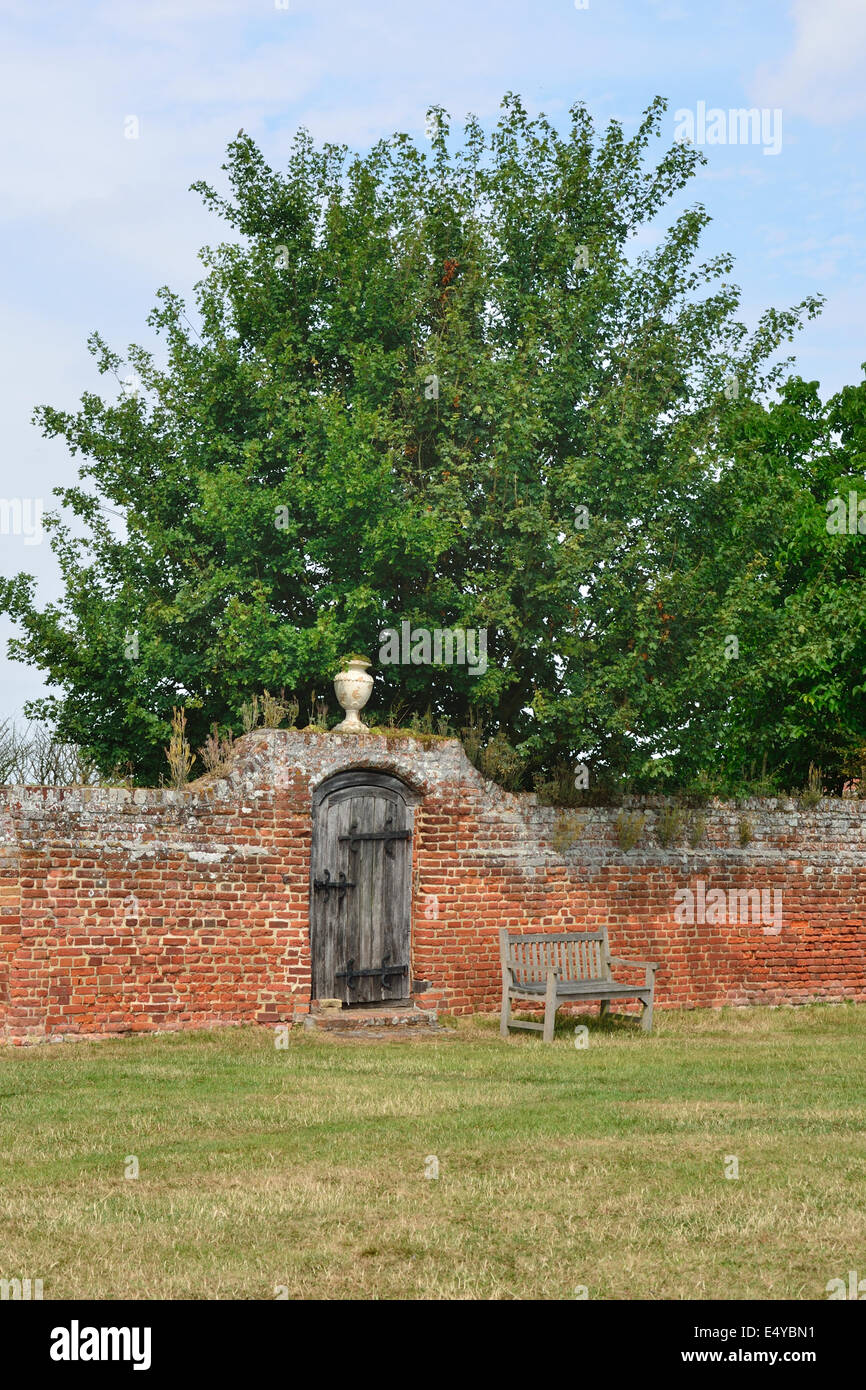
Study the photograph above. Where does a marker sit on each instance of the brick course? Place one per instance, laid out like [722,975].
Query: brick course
[130,911]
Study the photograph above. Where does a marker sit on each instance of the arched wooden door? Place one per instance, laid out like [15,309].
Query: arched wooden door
[361,888]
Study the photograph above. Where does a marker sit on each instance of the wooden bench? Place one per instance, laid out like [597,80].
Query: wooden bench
[566,967]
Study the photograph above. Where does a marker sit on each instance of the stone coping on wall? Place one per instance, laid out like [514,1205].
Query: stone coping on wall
[267,759]
[263,757]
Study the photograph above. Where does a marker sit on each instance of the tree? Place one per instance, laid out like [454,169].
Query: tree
[438,389]
[797,696]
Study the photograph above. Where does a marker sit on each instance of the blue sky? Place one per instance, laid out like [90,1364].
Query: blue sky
[92,222]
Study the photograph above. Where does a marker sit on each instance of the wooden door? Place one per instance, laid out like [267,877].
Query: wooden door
[360,891]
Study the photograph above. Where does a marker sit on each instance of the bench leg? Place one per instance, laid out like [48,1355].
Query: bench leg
[647,1019]
[504,1014]
[549,1008]
[604,1008]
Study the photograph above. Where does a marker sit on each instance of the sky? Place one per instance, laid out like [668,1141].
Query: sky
[111,110]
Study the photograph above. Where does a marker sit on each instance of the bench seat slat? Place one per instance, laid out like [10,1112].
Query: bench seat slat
[586,989]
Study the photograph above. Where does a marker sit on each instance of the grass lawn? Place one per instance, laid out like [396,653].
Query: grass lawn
[558,1167]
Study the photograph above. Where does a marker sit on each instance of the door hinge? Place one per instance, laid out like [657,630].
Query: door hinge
[326,884]
[382,973]
[355,836]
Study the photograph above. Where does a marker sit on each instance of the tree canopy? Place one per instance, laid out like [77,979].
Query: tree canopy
[441,386]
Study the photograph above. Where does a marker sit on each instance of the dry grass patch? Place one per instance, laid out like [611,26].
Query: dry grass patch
[558,1166]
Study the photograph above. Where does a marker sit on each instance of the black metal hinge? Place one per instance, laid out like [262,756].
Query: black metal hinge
[355,836]
[327,885]
[382,972]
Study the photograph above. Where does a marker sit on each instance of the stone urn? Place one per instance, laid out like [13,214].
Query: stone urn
[353,687]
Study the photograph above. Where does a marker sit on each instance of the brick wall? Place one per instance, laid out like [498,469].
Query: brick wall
[132,911]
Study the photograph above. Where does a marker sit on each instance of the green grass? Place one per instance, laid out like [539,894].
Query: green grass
[558,1167]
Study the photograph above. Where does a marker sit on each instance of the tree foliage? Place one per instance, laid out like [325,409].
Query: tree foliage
[441,386]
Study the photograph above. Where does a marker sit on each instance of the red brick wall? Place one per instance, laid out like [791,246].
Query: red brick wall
[124,911]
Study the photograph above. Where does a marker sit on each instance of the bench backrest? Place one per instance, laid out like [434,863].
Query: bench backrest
[577,955]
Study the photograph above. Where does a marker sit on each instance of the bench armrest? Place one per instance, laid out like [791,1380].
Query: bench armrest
[508,975]
[624,960]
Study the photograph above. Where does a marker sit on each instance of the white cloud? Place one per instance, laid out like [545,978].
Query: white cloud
[822,76]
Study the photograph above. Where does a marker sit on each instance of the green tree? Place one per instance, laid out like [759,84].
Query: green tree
[797,689]
[439,387]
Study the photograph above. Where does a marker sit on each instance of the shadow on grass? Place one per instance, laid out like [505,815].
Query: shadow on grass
[566,1025]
